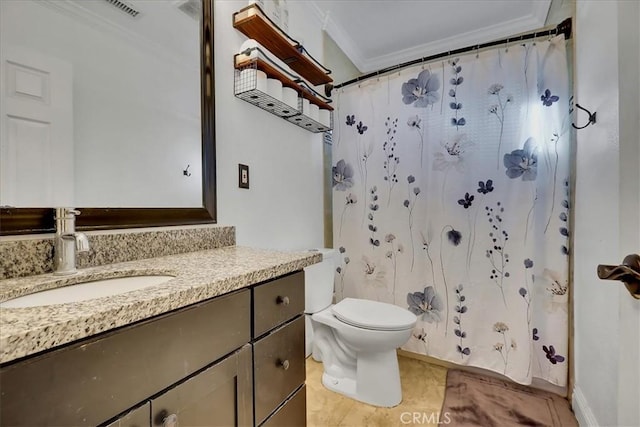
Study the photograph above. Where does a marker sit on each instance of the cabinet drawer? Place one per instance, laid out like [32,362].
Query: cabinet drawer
[277,301]
[89,382]
[279,367]
[138,417]
[293,413]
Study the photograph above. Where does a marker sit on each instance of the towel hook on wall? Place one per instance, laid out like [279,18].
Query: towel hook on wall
[592,117]
[186,171]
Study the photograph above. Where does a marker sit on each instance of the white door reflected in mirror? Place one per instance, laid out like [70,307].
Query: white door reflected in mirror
[37,121]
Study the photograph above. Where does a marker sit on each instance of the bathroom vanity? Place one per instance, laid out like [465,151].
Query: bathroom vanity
[225,350]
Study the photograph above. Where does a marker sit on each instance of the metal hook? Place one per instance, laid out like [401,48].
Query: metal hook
[186,171]
[592,118]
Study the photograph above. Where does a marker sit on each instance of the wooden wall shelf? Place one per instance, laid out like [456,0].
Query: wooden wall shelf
[252,22]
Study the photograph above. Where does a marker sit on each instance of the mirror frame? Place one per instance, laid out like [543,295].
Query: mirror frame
[15,221]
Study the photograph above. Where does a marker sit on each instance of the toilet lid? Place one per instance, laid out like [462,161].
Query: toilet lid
[375,315]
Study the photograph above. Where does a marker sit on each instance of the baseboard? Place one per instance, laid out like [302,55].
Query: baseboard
[582,410]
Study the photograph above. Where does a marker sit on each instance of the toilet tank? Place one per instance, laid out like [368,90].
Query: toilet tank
[318,282]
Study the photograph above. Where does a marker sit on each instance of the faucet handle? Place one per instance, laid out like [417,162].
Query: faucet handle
[66,213]
[82,242]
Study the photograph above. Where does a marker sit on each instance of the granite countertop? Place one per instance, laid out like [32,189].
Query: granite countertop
[198,276]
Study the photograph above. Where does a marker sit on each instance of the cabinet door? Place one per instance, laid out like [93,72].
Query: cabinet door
[139,417]
[221,395]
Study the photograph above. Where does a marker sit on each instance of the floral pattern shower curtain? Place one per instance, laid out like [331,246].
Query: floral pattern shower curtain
[451,199]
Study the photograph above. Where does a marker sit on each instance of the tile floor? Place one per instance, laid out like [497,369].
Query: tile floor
[423,387]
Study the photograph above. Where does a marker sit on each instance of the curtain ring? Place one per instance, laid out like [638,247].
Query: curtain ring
[477,51]
[535,36]
[506,44]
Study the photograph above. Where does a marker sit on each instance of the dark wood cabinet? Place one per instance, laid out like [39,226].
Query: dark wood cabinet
[138,417]
[218,396]
[234,360]
[278,351]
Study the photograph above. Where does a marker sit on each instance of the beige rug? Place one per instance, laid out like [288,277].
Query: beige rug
[477,400]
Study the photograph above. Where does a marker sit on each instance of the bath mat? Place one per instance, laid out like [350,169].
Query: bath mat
[478,400]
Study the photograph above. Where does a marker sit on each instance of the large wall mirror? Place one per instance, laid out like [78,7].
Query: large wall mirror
[107,106]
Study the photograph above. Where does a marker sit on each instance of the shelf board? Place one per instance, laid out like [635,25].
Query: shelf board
[254,24]
[273,72]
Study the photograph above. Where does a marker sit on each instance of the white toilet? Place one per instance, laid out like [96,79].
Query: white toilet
[355,339]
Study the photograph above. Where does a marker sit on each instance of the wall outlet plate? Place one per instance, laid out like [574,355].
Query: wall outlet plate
[243,176]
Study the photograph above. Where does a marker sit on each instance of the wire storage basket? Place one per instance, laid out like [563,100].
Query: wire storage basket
[247,89]
[308,123]
[315,116]
[303,106]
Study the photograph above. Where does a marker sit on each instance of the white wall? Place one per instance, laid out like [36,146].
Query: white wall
[607,220]
[629,215]
[136,111]
[342,69]
[596,334]
[283,207]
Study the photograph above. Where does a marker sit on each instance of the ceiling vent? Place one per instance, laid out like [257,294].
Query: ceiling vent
[193,8]
[124,7]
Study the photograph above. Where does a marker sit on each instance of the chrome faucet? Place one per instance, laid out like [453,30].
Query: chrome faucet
[67,242]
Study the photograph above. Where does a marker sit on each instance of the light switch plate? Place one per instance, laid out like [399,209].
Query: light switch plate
[243,176]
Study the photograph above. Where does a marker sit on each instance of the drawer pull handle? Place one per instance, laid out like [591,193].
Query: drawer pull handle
[282,300]
[284,364]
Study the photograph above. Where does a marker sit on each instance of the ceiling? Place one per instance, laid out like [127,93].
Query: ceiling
[376,34]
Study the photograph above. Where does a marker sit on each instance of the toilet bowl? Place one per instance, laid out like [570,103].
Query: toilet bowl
[356,341]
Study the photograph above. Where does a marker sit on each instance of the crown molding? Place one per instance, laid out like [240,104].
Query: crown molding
[338,35]
[536,19]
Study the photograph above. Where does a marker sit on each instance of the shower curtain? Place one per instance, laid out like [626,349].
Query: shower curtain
[451,199]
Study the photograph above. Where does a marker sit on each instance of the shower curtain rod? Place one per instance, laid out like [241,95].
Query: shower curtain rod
[562,28]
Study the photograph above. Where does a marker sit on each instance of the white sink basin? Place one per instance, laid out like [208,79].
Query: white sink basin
[85,291]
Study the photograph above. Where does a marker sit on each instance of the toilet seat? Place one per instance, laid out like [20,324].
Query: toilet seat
[373,315]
